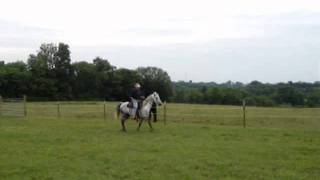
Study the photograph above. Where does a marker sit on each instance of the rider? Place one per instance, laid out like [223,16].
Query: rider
[136,97]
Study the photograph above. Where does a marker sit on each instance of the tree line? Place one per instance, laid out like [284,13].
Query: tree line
[50,74]
[255,93]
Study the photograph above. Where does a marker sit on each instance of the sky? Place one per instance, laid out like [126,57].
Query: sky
[199,40]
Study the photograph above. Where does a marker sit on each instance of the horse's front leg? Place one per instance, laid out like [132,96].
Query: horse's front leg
[123,120]
[140,123]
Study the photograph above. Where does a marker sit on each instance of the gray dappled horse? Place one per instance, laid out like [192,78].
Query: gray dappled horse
[125,112]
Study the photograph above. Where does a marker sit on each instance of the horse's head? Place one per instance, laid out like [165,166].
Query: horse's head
[156,98]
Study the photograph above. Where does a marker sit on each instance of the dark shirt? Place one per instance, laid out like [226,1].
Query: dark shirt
[154,108]
[136,93]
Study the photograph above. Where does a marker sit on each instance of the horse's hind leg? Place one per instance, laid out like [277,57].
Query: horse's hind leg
[140,122]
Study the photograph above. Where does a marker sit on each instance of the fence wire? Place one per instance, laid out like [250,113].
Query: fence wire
[207,114]
[12,107]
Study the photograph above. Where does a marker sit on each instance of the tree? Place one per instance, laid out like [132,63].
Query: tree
[155,79]
[214,96]
[42,83]
[103,65]
[232,97]
[260,101]
[62,57]
[313,99]
[195,96]
[289,95]
[104,75]
[47,54]
[123,82]
[63,71]
[14,79]
[179,95]
[85,81]
[257,88]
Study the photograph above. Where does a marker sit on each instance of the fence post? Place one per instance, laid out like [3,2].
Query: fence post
[165,113]
[58,109]
[25,105]
[104,110]
[244,112]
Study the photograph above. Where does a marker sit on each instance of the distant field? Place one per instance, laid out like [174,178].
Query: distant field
[198,142]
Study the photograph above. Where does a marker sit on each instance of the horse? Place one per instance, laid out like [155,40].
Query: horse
[124,112]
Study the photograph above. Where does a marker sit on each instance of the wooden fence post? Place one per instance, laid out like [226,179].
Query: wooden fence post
[165,113]
[58,109]
[25,105]
[104,110]
[244,112]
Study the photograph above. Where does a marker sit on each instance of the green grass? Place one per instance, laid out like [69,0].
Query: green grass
[279,143]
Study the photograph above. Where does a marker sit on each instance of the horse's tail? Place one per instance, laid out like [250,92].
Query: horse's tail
[118,110]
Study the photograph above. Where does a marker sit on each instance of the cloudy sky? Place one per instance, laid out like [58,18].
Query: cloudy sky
[199,40]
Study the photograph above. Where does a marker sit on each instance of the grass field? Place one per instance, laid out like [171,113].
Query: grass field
[198,142]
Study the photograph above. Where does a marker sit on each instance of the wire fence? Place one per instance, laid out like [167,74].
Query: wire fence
[190,113]
[14,107]
[72,109]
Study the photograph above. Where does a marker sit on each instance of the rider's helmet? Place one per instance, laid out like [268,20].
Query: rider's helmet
[137,85]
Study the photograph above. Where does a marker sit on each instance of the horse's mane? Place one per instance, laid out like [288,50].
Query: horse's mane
[148,99]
